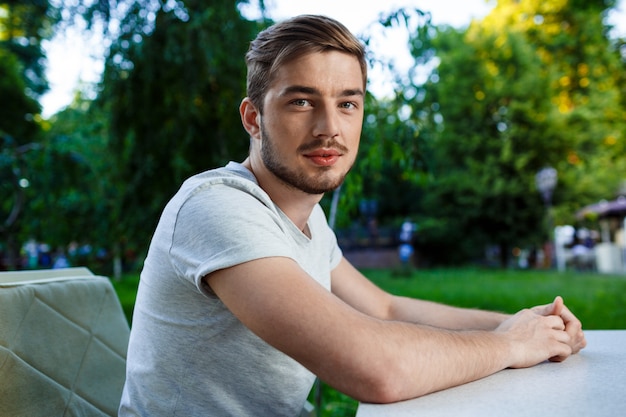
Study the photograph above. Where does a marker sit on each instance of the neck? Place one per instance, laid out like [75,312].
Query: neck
[296,204]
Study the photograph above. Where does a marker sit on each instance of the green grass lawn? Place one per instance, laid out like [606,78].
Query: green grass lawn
[598,300]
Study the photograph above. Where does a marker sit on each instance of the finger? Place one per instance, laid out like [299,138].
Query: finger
[563,337]
[577,336]
[572,324]
[567,315]
[577,347]
[554,308]
[556,323]
[557,306]
[559,358]
[573,327]
[564,340]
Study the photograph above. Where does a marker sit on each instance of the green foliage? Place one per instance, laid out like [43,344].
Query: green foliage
[77,180]
[166,109]
[494,138]
[18,133]
[586,73]
[126,290]
[17,109]
[531,85]
[23,25]
[172,86]
[334,403]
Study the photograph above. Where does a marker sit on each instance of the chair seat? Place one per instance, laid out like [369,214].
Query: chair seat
[63,341]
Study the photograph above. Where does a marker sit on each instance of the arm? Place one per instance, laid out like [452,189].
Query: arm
[355,289]
[367,358]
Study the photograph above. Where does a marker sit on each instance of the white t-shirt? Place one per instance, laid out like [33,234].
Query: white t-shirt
[188,355]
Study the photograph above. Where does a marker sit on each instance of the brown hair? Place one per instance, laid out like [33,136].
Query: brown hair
[291,39]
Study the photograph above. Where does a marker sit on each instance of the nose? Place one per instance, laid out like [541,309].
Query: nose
[326,122]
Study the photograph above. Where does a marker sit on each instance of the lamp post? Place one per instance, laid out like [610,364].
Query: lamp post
[546,180]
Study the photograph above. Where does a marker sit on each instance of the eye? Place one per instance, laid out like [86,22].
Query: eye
[349,105]
[301,102]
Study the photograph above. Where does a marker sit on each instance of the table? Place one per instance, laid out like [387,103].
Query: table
[590,383]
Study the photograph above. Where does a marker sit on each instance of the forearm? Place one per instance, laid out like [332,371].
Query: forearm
[443,316]
[355,289]
[400,360]
[408,361]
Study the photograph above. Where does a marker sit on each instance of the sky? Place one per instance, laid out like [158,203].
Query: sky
[74,60]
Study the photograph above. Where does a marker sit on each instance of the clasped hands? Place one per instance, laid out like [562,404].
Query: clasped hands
[572,326]
[543,332]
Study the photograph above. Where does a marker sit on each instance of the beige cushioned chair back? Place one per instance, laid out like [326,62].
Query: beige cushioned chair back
[63,340]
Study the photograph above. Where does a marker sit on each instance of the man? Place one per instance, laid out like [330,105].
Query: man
[245,295]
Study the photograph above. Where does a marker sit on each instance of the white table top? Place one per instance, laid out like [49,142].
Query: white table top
[590,383]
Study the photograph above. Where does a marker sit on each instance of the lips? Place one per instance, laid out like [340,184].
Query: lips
[323,157]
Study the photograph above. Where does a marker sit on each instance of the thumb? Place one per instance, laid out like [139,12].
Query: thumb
[557,306]
[553,309]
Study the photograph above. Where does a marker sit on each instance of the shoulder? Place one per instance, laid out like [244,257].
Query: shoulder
[221,189]
[233,176]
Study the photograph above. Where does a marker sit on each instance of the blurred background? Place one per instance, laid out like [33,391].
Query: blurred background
[491,173]
[494,133]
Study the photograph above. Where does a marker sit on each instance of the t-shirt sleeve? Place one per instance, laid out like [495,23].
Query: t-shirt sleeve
[221,226]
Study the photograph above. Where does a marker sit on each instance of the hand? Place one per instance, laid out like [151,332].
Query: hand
[535,338]
[573,326]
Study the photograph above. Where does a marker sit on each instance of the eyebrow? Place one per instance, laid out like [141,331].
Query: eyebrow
[314,91]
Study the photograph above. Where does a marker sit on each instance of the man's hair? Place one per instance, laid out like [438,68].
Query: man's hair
[291,39]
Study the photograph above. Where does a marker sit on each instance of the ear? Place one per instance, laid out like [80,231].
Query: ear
[250,118]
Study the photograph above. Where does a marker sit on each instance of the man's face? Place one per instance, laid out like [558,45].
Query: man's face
[311,123]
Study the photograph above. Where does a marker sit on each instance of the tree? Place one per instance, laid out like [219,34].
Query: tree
[173,80]
[586,72]
[167,108]
[494,137]
[502,104]
[22,28]
[78,185]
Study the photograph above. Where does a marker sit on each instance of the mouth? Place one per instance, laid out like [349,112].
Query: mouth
[323,157]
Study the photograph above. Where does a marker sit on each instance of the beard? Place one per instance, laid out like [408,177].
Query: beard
[320,183]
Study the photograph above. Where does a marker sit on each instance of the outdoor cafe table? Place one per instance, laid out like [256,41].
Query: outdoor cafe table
[590,383]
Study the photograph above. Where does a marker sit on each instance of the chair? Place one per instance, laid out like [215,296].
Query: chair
[63,340]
